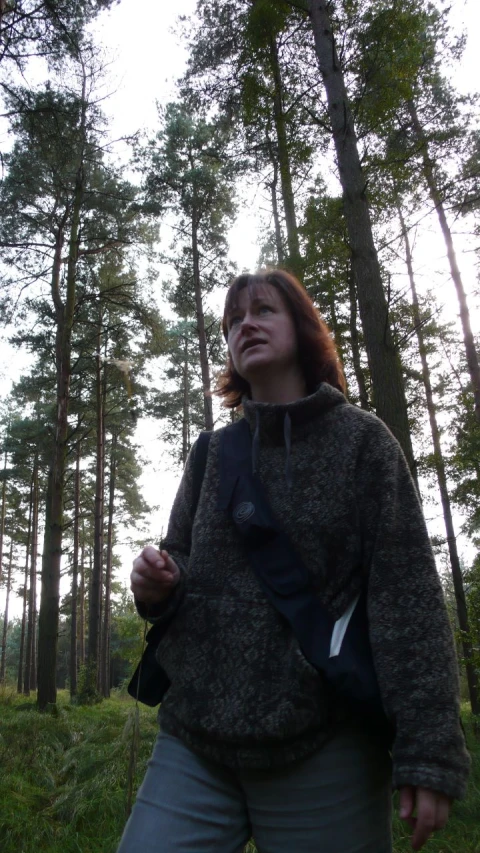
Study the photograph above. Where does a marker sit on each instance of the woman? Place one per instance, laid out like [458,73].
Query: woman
[253,741]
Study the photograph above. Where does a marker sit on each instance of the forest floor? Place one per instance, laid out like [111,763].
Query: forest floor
[64,779]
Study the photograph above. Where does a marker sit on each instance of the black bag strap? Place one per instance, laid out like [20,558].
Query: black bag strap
[284,577]
[199,465]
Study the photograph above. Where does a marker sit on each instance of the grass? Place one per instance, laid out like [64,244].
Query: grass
[63,779]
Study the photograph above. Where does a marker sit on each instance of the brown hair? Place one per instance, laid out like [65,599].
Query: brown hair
[316,349]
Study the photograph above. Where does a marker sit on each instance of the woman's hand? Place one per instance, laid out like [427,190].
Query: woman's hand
[154,576]
[432,812]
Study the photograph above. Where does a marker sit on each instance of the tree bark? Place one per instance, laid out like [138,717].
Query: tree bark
[355,343]
[276,215]
[462,612]
[29,681]
[108,573]
[74,603]
[52,549]
[469,341]
[2,512]
[384,362]
[64,319]
[3,656]
[294,259]
[202,338]
[186,404]
[20,676]
[95,601]
[81,609]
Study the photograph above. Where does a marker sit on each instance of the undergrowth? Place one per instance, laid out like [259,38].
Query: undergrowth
[64,779]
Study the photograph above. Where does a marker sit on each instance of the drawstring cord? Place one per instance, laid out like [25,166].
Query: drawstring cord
[287,437]
[256,443]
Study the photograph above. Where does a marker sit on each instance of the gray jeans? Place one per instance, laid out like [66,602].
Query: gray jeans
[336,801]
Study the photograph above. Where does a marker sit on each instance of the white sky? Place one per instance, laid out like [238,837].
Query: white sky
[146,59]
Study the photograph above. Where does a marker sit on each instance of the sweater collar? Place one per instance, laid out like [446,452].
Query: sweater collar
[280,422]
[271,416]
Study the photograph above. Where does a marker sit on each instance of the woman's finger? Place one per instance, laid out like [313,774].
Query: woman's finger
[407,801]
[152,555]
[444,805]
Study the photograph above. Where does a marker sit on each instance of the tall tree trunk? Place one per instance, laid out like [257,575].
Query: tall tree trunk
[52,545]
[64,319]
[435,195]
[20,676]
[74,604]
[3,656]
[384,362]
[202,338]
[275,212]
[108,572]
[355,343]
[48,612]
[95,601]
[294,259]
[81,609]
[456,568]
[186,404]
[30,669]
[276,215]
[21,649]
[2,512]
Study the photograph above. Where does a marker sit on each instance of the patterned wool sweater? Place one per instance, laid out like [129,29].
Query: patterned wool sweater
[241,691]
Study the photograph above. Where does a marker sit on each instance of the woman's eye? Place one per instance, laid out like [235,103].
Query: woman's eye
[234,321]
[264,308]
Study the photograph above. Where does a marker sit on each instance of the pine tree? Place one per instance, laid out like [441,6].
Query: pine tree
[187,174]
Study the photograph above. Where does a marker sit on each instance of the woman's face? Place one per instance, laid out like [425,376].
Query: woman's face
[261,335]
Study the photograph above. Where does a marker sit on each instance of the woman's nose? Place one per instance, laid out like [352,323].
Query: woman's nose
[248,321]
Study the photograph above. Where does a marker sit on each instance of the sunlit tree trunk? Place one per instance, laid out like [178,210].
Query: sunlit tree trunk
[20,675]
[186,404]
[108,573]
[21,651]
[455,566]
[81,608]
[469,342]
[202,338]
[74,602]
[8,586]
[355,343]
[2,511]
[95,600]
[29,680]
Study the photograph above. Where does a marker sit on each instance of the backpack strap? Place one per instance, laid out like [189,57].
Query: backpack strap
[199,465]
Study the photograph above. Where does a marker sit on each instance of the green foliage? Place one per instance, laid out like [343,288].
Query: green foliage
[63,787]
[87,692]
[51,29]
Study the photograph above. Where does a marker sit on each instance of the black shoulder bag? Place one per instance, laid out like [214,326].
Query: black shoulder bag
[341,652]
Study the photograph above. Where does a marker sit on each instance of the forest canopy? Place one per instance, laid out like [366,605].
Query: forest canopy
[337,129]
